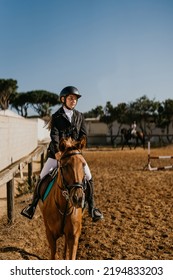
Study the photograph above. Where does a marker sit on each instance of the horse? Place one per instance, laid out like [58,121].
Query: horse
[127,136]
[62,209]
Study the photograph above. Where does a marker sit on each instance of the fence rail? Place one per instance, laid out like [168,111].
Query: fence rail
[7,175]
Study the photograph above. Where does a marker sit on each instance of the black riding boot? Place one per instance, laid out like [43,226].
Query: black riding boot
[29,210]
[95,213]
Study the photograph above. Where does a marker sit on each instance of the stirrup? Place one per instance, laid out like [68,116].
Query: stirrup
[96,214]
[28,211]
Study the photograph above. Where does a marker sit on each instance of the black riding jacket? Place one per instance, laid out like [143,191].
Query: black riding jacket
[62,127]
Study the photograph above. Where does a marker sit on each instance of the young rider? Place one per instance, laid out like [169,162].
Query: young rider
[66,122]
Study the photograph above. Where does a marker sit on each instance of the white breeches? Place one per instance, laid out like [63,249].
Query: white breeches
[51,163]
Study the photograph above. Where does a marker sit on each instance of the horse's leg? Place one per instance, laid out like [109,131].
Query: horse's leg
[75,247]
[73,241]
[137,142]
[128,144]
[52,243]
[66,250]
[125,143]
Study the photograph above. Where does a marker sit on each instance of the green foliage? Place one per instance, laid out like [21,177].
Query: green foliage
[8,89]
[40,100]
[21,103]
[94,113]
[165,114]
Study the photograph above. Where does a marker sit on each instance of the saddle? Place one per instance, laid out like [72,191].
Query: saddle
[46,183]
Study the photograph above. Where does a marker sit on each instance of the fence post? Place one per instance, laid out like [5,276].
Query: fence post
[42,160]
[30,173]
[10,201]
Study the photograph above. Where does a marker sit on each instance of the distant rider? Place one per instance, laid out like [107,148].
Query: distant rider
[133,129]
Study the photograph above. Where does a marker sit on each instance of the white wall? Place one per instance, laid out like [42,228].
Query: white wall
[96,128]
[42,132]
[18,137]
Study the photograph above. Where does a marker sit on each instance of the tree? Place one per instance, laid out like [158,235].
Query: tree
[122,113]
[144,111]
[165,112]
[95,113]
[40,100]
[8,89]
[21,103]
[109,117]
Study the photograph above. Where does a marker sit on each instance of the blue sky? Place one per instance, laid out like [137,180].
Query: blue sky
[112,50]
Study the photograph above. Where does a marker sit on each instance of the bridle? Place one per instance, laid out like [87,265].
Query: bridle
[67,188]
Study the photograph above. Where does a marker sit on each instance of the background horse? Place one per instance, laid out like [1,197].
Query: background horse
[127,136]
[63,208]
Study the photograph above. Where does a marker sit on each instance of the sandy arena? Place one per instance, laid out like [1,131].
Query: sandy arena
[137,205]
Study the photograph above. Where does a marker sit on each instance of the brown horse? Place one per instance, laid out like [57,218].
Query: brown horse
[127,136]
[63,208]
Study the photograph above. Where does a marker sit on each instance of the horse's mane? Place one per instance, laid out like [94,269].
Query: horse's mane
[69,144]
[72,148]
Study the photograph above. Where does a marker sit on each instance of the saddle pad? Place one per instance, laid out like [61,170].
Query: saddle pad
[48,189]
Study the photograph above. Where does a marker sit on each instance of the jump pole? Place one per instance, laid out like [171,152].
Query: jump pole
[157,157]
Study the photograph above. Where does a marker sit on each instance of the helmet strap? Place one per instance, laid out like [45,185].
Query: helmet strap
[68,107]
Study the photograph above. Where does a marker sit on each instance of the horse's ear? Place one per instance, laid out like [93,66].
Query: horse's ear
[81,143]
[62,145]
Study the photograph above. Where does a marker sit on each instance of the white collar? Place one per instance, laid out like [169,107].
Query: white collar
[68,112]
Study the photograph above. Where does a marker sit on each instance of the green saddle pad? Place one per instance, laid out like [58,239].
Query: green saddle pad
[48,189]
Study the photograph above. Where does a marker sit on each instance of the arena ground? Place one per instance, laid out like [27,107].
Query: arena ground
[137,205]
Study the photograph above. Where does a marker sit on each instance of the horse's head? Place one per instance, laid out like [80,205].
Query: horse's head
[72,169]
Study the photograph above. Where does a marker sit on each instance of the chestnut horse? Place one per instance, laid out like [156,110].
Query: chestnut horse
[63,208]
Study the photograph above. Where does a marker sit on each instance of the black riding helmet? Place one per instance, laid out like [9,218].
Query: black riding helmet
[69,90]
